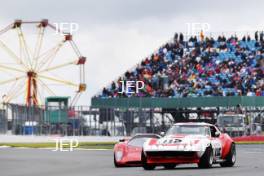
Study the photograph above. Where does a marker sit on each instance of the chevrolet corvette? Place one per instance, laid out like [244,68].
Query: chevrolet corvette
[200,143]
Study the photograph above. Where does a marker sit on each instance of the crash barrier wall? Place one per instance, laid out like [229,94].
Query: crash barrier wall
[84,120]
[187,102]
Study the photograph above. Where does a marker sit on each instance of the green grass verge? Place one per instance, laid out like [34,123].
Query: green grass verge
[85,145]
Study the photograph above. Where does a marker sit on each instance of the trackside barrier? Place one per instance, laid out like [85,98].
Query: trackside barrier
[249,139]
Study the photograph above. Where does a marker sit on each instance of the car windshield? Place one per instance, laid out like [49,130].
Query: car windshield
[188,129]
[231,121]
[137,142]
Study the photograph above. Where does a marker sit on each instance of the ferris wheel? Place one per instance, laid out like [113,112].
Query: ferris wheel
[38,60]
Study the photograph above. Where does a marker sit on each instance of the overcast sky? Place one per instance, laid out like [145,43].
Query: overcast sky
[115,35]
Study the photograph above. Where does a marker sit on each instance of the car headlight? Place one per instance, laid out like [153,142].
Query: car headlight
[118,155]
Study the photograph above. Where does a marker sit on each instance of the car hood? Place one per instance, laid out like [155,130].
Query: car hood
[177,143]
[176,139]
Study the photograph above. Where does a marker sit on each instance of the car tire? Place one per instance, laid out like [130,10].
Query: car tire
[206,161]
[230,159]
[145,165]
[115,162]
[169,166]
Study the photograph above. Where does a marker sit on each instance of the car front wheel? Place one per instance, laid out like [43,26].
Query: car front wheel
[230,158]
[115,162]
[206,161]
[145,165]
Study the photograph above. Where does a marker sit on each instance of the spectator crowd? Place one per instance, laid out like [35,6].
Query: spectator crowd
[199,66]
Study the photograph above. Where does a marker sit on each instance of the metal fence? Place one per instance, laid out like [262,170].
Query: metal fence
[77,120]
[3,121]
[83,120]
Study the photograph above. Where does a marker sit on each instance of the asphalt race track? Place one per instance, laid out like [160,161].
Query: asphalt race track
[44,162]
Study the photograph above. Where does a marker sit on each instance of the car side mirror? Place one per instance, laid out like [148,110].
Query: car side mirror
[162,133]
[217,134]
[122,140]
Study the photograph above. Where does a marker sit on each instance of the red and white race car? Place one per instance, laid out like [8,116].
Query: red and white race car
[200,143]
[128,151]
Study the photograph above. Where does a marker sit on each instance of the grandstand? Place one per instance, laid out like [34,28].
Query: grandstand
[199,66]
